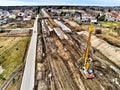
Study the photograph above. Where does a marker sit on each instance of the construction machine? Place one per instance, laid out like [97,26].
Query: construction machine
[85,68]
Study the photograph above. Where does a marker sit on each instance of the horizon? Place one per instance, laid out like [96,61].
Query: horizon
[102,3]
[57,5]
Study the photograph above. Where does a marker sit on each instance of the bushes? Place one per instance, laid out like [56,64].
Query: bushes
[2,77]
[2,30]
[101,18]
[98,31]
[117,29]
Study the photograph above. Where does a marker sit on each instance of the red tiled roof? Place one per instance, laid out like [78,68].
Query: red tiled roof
[115,15]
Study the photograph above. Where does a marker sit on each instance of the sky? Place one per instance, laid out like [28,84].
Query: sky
[60,2]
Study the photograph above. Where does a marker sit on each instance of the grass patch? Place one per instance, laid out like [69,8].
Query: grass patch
[7,44]
[14,57]
[109,24]
[15,84]
[25,25]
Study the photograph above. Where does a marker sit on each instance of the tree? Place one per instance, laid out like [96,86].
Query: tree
[98,31]
[109,10]
[1,30]
[1,76]
[102,18]
[98,16]
[117,29]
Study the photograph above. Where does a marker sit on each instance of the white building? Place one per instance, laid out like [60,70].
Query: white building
[12,16]
[2,22]
[93,20]
[27,18]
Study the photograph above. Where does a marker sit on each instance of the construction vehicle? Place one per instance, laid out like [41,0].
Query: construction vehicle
[85,69]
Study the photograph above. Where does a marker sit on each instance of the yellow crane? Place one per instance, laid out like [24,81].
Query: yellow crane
[86,71]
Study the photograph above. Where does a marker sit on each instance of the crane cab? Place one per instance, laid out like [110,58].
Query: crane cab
[87,74]
[86,71]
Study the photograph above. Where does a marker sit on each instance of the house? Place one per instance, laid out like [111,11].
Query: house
[109,17]
[67,14]
[16,11]
[21,14]
[93,20]
[85,17]
[77,16]
[2,22]
[4,14]
[28,12]
[116,16]
[1,14]
[26,18]
[58,12]
[12,16]
[112,16]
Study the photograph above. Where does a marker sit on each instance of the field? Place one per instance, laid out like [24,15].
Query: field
[15,25]
[11,54]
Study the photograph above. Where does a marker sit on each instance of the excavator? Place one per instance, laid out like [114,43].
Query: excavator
[85,68]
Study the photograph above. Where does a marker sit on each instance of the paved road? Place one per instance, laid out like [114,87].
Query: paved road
[19,29]
[29,72]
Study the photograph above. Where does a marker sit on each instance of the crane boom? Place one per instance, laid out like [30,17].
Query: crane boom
[86,63]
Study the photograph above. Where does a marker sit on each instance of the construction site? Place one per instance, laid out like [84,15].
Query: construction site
[75,57]
[59,47]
